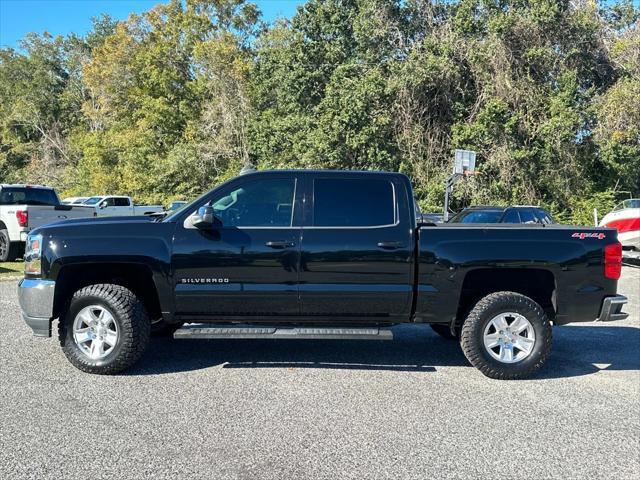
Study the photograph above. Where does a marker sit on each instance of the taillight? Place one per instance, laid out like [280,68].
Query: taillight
[613,261]
[23,217]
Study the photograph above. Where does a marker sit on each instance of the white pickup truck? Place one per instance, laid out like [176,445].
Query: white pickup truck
[119,206]
[25,207]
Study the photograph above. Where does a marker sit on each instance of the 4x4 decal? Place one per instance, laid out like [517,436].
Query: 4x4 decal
[583,235]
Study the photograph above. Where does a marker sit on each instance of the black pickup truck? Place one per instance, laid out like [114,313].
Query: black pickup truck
[314,254]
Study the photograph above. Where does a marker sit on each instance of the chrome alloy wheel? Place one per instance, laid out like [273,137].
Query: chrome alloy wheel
[95,332]
[509,337]
[3,246]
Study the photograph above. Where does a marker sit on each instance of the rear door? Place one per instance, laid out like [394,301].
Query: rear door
[122,206]
[356,258]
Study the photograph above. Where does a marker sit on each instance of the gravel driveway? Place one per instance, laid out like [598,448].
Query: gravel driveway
[410,408]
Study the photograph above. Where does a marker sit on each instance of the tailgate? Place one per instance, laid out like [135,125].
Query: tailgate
[42,215]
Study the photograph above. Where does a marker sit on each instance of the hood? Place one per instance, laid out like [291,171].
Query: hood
[102,221]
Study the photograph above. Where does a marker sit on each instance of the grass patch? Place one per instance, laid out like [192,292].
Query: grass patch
[11,269]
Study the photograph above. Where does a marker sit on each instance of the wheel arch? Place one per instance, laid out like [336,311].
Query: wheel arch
[137,277]
[539,284]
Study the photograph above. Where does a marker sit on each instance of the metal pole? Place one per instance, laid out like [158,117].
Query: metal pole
[447,191]
[446,201]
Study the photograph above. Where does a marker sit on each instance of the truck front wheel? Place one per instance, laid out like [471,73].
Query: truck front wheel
[105,329]
[506,336]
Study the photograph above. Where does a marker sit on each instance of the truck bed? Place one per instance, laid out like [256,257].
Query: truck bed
[451,256]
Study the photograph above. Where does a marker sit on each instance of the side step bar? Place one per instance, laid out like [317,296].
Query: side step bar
[198,331]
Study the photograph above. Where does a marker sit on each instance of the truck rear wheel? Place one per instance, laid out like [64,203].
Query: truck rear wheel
[105,329]
[9,250]
[506,336]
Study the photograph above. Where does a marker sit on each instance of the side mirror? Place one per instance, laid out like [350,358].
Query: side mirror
[204,218]
[102,205]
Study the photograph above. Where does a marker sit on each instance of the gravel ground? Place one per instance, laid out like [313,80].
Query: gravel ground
[411,408]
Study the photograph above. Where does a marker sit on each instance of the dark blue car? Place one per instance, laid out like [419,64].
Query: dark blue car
[492,214]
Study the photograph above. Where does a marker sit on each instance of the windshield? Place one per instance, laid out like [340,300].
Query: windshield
[191,205]
[93,201]
[477,216]
[174,213]
[28,196]
[631,203]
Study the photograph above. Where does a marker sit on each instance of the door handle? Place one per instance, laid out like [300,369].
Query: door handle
[280,244]
[390,245]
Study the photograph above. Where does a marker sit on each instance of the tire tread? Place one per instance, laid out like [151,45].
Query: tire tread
[13,248]
[135,330]
[473,351]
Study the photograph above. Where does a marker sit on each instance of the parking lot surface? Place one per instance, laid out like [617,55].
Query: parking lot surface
[410,408]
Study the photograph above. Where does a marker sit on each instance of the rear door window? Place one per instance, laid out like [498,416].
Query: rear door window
[477,216]
[511,216]
[121,202]
[353,202]
[528,216]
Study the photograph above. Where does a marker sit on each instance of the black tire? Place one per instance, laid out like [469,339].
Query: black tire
[443,330]
[160,328]
[9,250]
[484,311]
[132,321]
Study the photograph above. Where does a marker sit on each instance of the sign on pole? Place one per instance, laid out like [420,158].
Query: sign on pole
[465,161]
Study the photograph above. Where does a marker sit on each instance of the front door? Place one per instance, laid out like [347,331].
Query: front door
[114,207]
[247,265]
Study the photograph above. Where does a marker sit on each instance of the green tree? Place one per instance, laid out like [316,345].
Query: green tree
[165,104]
[35,115]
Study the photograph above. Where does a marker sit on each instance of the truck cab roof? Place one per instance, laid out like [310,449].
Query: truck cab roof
[22,185]
[305,171]
[109,196]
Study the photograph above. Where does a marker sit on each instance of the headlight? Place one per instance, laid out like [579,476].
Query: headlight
[33,255]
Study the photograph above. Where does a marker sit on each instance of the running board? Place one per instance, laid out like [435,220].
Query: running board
[197,331]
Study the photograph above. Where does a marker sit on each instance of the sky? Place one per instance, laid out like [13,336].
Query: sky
[61,17]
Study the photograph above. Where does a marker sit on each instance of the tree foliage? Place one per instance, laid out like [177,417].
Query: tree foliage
[168,103]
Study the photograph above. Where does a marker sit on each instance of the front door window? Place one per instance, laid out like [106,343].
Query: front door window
[264,203]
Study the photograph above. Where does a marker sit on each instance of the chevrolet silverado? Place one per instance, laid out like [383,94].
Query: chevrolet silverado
[315,254]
